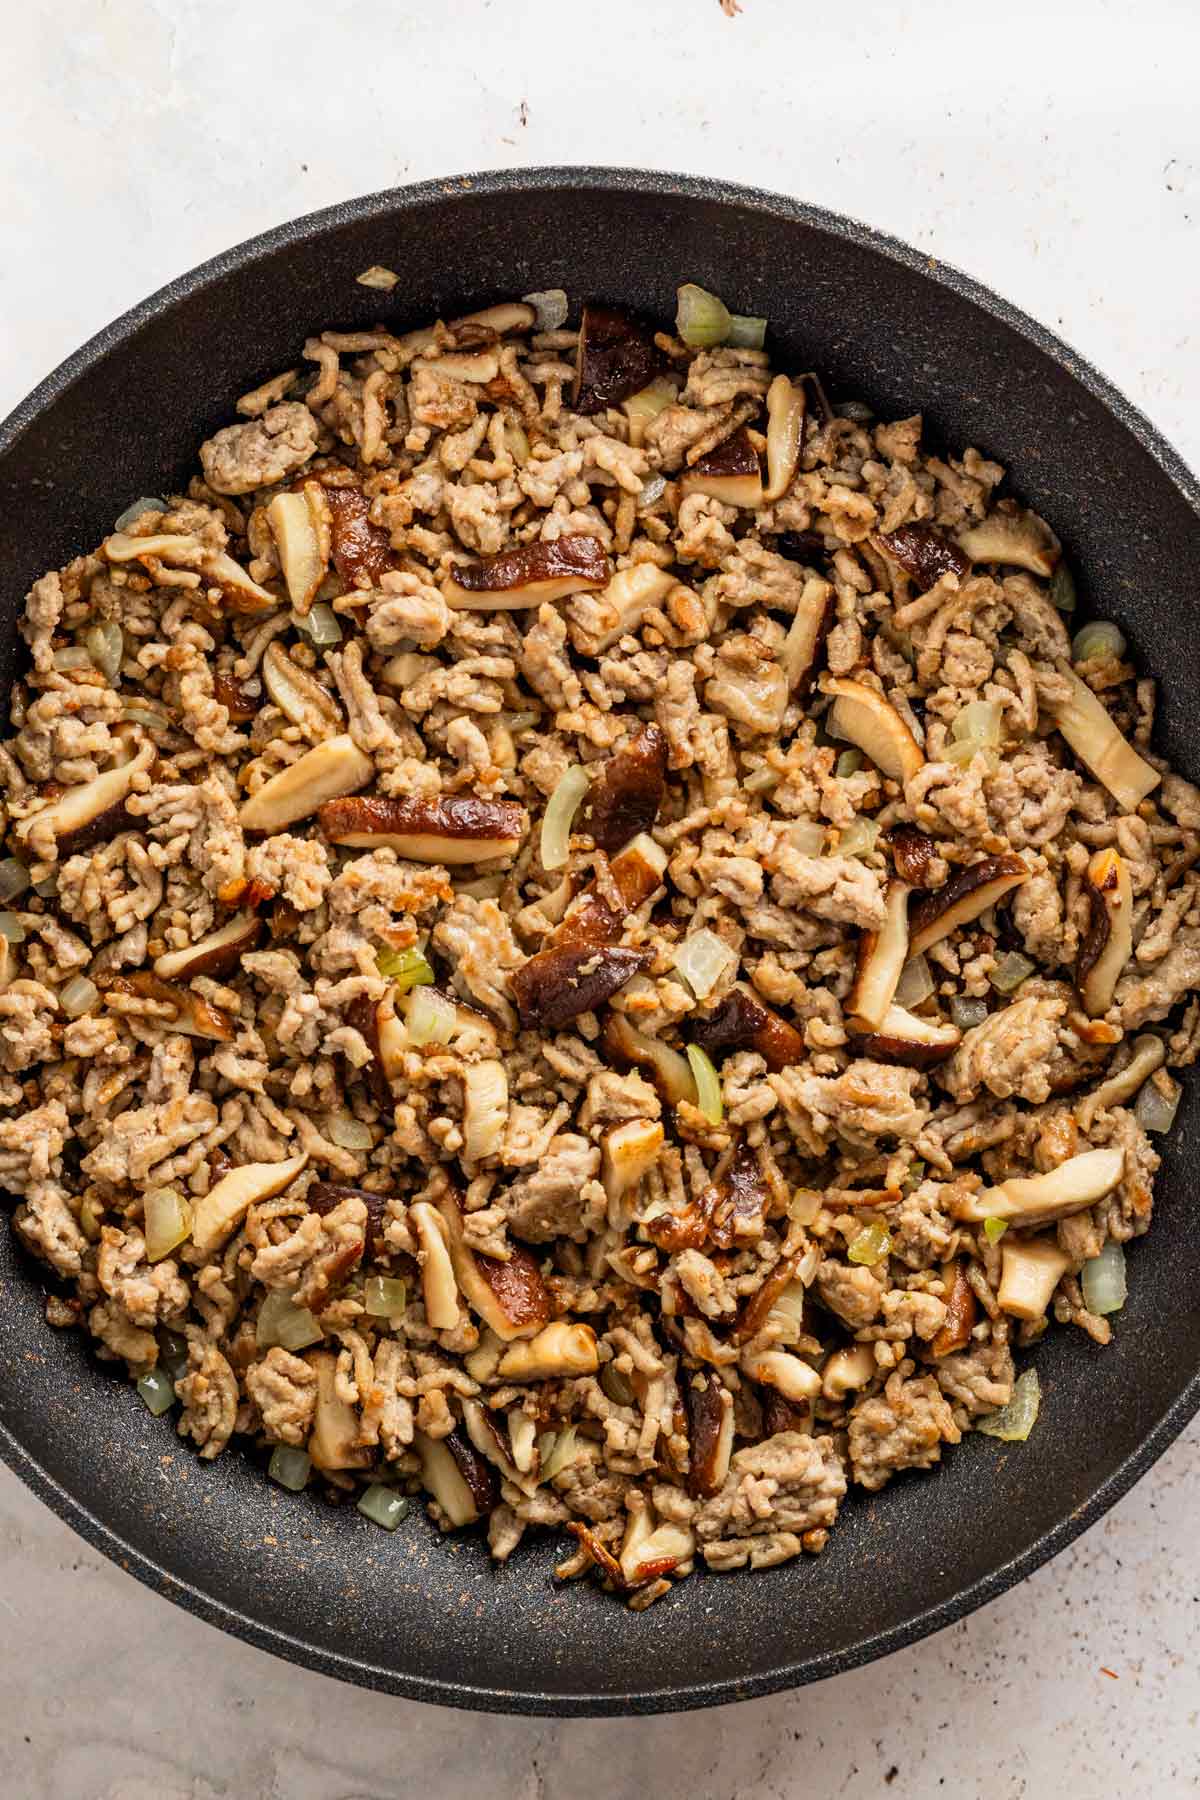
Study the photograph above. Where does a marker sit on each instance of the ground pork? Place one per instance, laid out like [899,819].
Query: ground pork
[902,1428]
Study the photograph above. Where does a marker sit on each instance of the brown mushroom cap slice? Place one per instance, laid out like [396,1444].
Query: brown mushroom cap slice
[670,1072]
[328,770]
[494,1445]
[739,1200]
[635,873]
[1035,1199]
[334,1440]
[1029,1273]
[511,1296]
[616,357]
[961,1311]
[785,434]
[881,955]
[558,984]
[1089,729]
[968,893]
[1108,942]
[924,552]
[730,474]
[1011,534]
[860,715]
[218,953]
[361,552]
[443,1479]
[194,1016]
[740,1020]
[709,1407]
[446,828]
[228,1201]
[912,853]
[625,796]
[91,812]
[903,1037]
[807,632]
[529,574]
[362,1015]
[324,1196]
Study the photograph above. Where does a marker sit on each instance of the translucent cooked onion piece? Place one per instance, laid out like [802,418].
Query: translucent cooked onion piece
[549,308]
[871,1244]
[645,405]
[14,878]
[383,1505]
[746,331]
[1098,642]
[290,1468]
[321,625]
[704,959]
[147,503]
[980,722]
[349,1133]
[11,928]
[167,1220]
[1158,1103]
[859,837]
[559,815]
[1103,1281]
[1014,1422]
[157,1391]
[385,1297]
[105,645]
[701,319]
[429,1017]
[405,968]
[1011,971]
[708,1085]
[558,1450]
[915,983]
[281,1321]
[967,1012]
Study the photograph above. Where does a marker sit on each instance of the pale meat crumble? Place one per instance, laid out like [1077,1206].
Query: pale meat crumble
[497,718]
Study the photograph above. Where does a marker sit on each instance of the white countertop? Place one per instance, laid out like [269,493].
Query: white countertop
[1052,150]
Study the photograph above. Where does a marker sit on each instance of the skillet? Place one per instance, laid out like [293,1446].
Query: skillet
[428,1618]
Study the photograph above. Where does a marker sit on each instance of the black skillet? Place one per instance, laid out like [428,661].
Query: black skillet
[430,1618]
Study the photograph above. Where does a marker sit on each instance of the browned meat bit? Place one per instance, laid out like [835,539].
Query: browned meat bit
[741,1020]
[530,574]
[925,552]
[616,357]
[626,795]
[323,1196]
[558,984]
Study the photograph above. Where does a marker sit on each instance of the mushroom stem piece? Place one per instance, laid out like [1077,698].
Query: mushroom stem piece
[860,715]
[329,770]
[1108,943]
[1034,1199]
[881,956]
[1088,727]
[1029,1274]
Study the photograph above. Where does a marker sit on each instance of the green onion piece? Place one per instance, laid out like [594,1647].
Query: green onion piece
[1062,589]
[173,1354]
[1015,1421]
[914,1175]
[89,1220]
[157,1390]
[1097,642]
[147,503]
[708,1085]
[848,763]
[559,815]
[290,1468]
[1103,1281]
[281,1321]
[994,1229]
[746,332]
[384,1297]
[383,1506]
[871,1245]
[407,968]
[701,319]
[1010,972]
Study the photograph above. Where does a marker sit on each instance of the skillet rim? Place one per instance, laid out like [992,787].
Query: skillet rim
[73,1509]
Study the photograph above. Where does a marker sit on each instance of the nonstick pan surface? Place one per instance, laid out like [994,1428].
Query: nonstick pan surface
[413,1613]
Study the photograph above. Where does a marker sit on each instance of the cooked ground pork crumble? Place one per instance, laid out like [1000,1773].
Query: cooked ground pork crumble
[583,940]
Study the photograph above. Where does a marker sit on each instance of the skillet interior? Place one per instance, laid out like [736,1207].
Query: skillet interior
[431,1619]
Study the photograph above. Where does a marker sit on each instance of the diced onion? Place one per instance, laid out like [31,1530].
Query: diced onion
[1097,642]
[558,1451]
[915,983]
[348,1132]
[47,888]
[871,1244]
[702,959]
[746,332]
[645,405]
[1103,1281]
[1157,1103]
[383,1506]
[848,763]
[147,503]
[762,780]
[1015,1421]
[979,722]
[378,277]
[290,1468]
[406,968]
[550,305]
[617,1386]
[78,996]
[384,1297]
[859,838]
[281,1321]
[429,1017]
[148,716]
[73,657]
[14,878]
[1010,972]
[708,1085]
[701,319]
[157,1390]
[806,837]
[994,1229]
[106,646]
[167,1220]
[11,928]
[560,811]
[173,1354]
[321,624]
[967,1012]
[1062,589]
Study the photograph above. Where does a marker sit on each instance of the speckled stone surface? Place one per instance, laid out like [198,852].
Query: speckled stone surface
[139,138]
